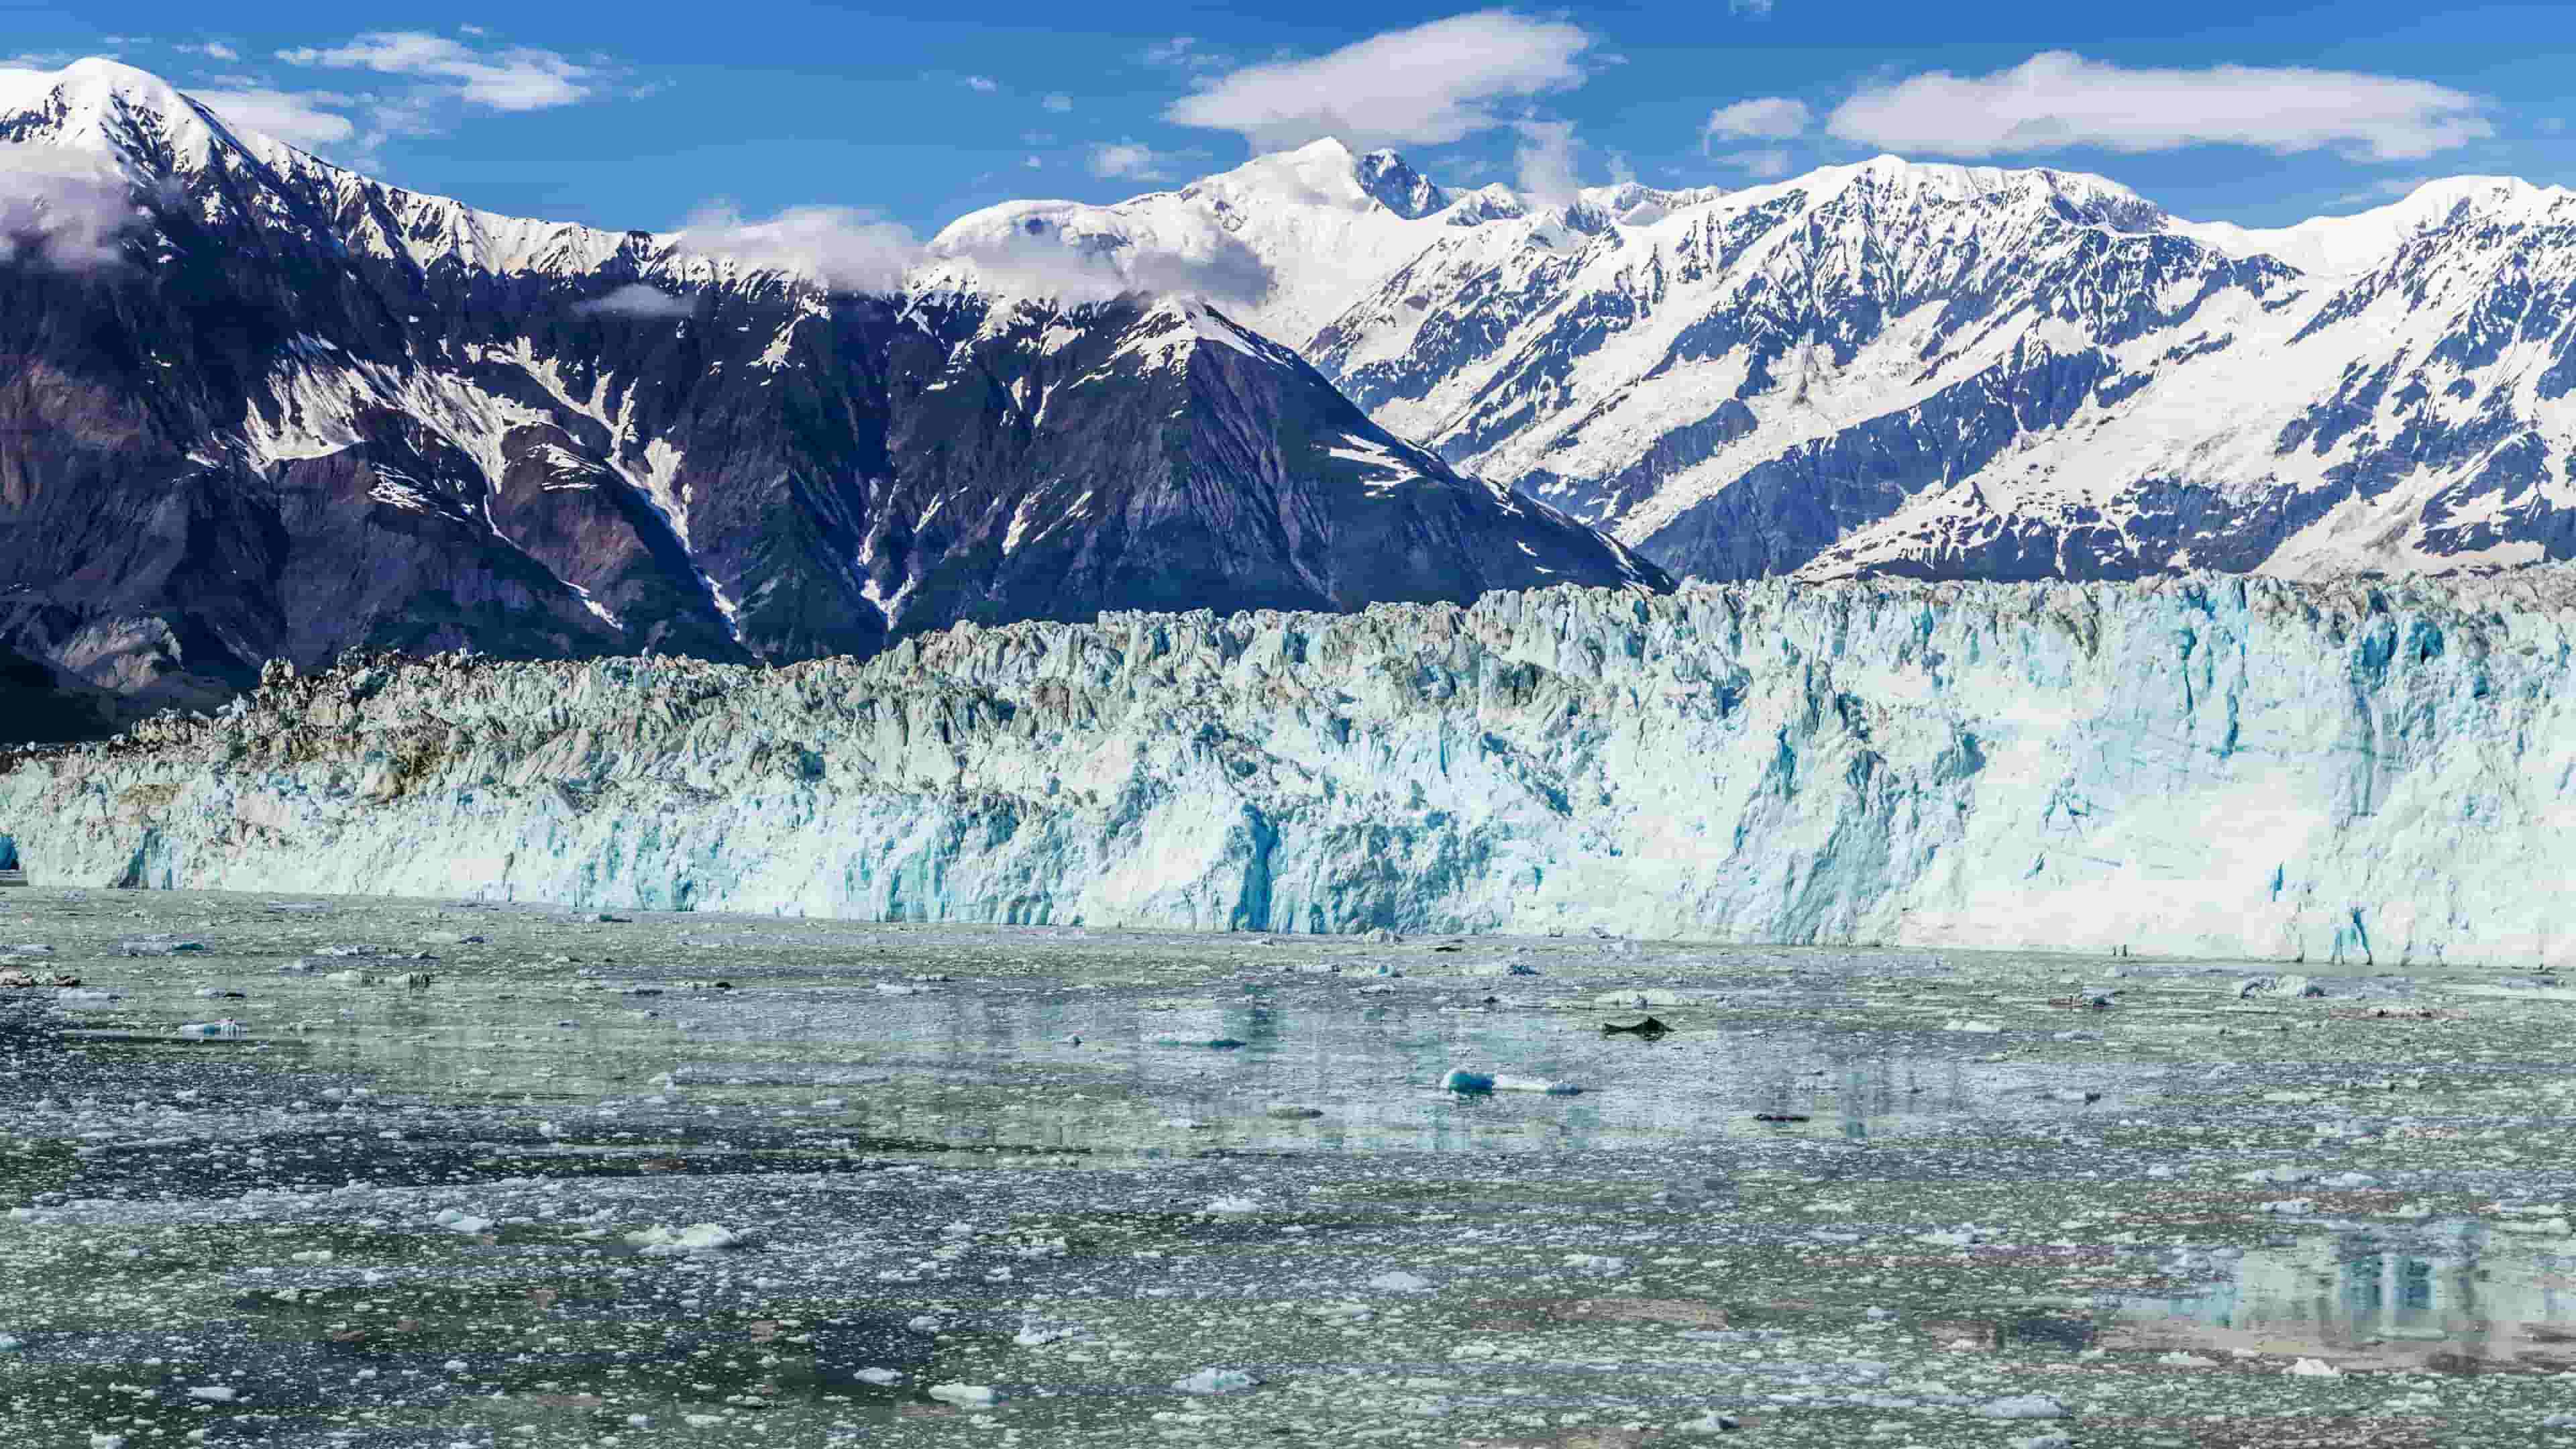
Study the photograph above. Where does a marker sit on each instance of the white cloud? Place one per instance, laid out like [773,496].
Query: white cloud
[61,207]
[983,83]
[1031,162]
[1429,85]
[1183,52]
[1058,102]
[1131,161]
[1768,118]
[1545,157]
[302,119]
[212,50]
[2058,99]
[1061,251]
[849,248]
[637,300]
[518,78]
[1767,161]
[1758,9]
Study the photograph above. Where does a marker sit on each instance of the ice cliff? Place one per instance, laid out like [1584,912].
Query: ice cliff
[2361,772]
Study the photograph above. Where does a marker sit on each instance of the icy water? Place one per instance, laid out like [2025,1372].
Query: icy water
[714,1180]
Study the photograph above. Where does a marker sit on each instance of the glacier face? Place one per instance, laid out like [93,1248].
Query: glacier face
[2206,765]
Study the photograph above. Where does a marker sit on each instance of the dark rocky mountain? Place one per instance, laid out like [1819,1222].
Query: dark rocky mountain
[253,406]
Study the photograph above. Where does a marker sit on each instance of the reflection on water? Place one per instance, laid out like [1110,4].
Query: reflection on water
[2453,1297]
[1120,1071]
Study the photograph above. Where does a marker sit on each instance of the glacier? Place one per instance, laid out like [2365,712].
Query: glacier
[2359,772]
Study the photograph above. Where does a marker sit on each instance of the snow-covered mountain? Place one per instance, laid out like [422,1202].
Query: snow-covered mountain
[259,406]
[1938,370]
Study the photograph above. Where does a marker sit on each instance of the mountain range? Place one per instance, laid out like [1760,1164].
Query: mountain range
[260,406]
[1932,370]
[256,406]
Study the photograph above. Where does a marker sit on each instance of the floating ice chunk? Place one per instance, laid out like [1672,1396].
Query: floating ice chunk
[966,1396]
[1217,1381]
[1595,1262]
[2053,1439]
[2288,1207]
[10,1343]
[1232,1205]
[830,1104]
[214,1393]
[2179,1359]
[1399,1281]
[1631,1000]
[1983,1028]
[1711,1422]
[2285,1176]
[2315,1368]
[2291,987]
[1464,1081]
[2023,1406]
[211,1029]
[159,946]
[662,1242]
[878,1376]
[456,1220]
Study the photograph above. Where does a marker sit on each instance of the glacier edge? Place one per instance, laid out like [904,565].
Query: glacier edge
[2206,765]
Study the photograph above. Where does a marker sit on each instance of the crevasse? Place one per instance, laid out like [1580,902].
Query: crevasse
[2353,772]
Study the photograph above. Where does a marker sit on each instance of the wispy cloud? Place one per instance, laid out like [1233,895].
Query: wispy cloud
[1131,161]
[1768,118]
[1184,53]
[2058,99]
[850,249]
[1766,162]
[1428,85]
[982,83]
[638,301]
[211,50]
[1545,158]
[60,208]
[514,78]
[1057,101]
[1753,9]
[307,120]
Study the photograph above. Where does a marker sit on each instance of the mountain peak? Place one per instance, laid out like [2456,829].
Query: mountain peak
[1399,188]
[111,109]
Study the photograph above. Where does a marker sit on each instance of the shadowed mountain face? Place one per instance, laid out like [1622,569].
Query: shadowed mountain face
[274,409]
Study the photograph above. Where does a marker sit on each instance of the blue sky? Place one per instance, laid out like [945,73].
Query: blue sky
[621,116]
